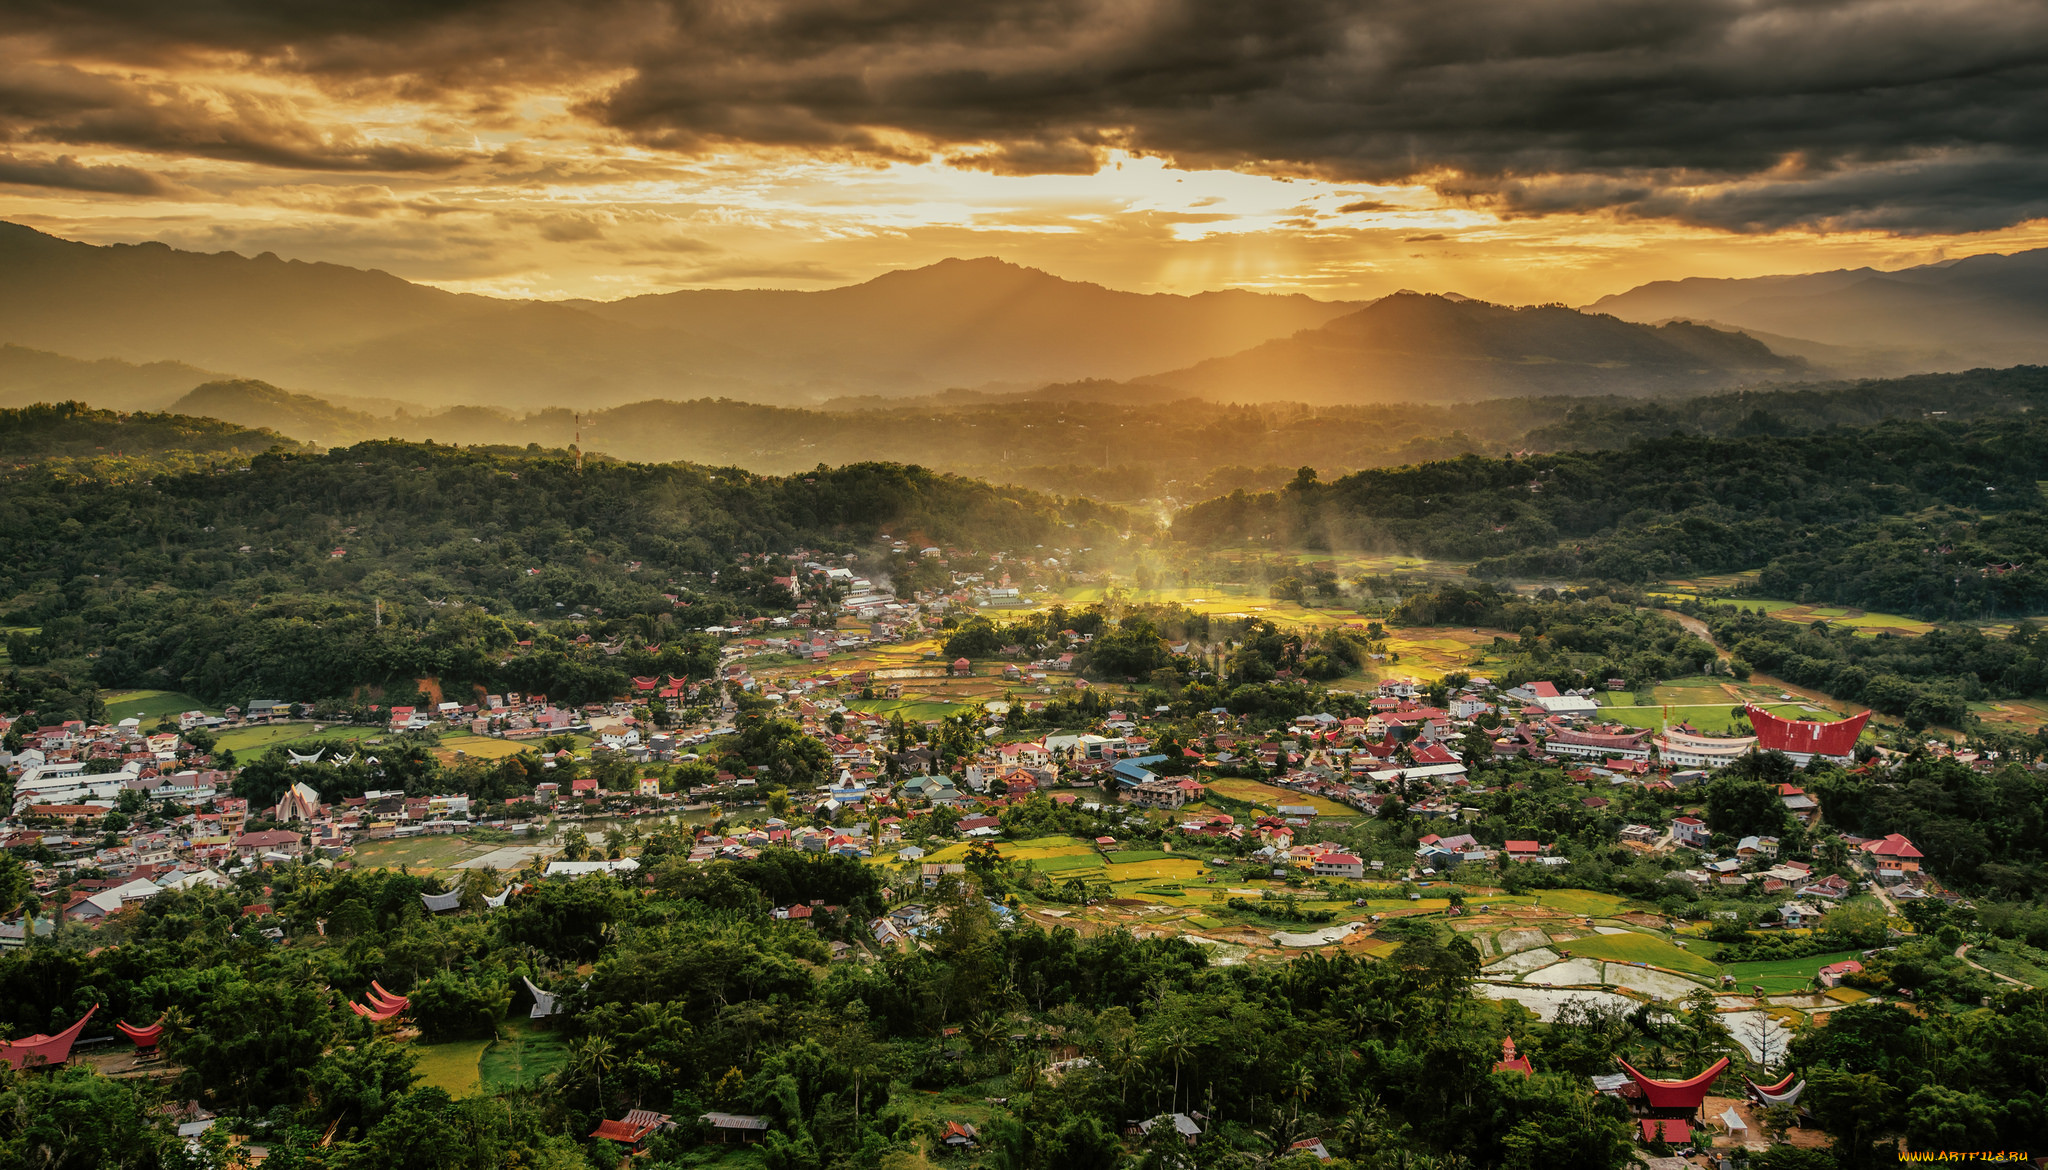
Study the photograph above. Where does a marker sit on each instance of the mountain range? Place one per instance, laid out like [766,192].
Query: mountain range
[1989,310]
[179,318]
[1414,347]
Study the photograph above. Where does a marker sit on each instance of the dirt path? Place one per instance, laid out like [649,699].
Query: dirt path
[1988,971]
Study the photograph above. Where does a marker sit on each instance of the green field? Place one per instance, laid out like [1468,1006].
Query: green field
[1779,976]
[1582,902]
[257,740]
[1640,948]
[912,710]
[485,747]
[452,1067]
[1065,864]
[1269,796]
[1135,856]
[1862,621]
[2015,960]
[1709,720]
[150,706]
[418,853]
[521,1054]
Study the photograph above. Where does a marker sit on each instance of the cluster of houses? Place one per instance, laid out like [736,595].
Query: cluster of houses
[68,778]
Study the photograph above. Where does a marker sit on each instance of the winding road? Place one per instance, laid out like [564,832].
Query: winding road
[1988,971]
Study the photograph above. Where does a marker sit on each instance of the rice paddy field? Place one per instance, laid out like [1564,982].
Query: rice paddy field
[522,1053]
[2021,715]
[1783,975]
[1633,947]
[150,706]
[452,1066]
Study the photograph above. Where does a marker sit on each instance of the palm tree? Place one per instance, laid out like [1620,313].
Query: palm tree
[593,1056]
[1177,1046]
[1301,1084]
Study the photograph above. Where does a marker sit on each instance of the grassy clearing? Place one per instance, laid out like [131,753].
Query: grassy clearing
[1586,903]
[261,739]
[484,747]
[1640,948]
[1269,796]
[1779,976]
[1712,720]
[452,1067]
[417,853]
[2014,960]
[523,1053]
[2021,715]
[150,706]
[912,710]
[1865,622]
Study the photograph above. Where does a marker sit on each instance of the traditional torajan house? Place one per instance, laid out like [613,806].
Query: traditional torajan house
[40,1051]
[1804,739]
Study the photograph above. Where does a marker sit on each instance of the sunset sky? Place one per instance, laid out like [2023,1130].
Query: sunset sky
[1518,150]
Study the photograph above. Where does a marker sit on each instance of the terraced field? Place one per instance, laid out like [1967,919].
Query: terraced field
[1641,948]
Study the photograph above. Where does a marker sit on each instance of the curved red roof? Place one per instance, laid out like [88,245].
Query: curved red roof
[1685,1094]
[1808,737]
[143,1037]
[44,1050]
[1780,1087]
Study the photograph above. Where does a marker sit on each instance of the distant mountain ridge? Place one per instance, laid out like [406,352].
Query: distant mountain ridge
[337,330]
[1417,347]
[970,322]
[1989,310]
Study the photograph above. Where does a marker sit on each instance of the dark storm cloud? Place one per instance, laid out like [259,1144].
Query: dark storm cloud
[66,105]
[69,174]
[1741,114]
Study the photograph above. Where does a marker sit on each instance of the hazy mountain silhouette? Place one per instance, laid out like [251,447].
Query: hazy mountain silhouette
[259,405]
[1413,347]
[973,322]
[35,375]
[1981,311]
[336,330]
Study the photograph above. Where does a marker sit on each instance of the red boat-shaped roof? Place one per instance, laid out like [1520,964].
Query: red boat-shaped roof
[44,1050]
[1685,1094]
[1805,736]
[143,1037]
[1780,1087]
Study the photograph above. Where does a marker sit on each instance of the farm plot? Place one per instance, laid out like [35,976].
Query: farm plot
[482,747]
[1630,947]
[150,706]
[521,1055]
[1269,796]
[452,1067]
[1778,976]
[1865,622]
[257,740]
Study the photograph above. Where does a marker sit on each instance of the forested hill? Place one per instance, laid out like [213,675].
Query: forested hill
[104,442]
[261,577]
[1919,516]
